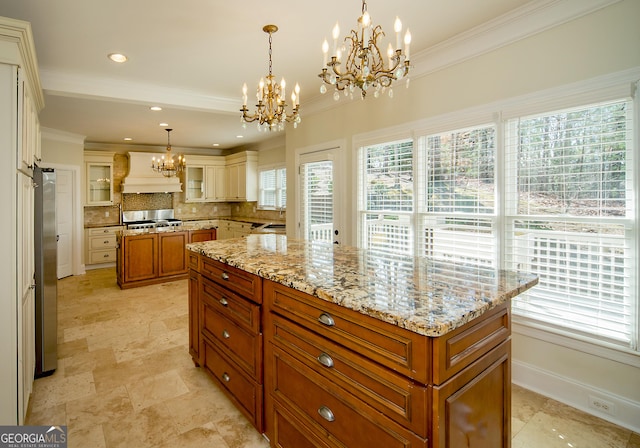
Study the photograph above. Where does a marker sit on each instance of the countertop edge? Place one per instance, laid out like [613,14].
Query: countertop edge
[415,324]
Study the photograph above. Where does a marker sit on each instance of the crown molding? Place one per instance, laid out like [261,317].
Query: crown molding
[18,32]
[79,86]
[62,136]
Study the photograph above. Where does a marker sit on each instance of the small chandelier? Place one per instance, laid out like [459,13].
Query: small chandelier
[270,110]
[364,66]
[165,165]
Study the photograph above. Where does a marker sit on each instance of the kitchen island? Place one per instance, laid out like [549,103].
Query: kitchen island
[156,255]
[332,346]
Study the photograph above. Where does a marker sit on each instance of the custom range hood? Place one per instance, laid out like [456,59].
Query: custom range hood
[142,179]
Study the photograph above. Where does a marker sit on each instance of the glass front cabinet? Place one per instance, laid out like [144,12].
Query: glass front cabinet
[194,183]
[204,179]
[99,178]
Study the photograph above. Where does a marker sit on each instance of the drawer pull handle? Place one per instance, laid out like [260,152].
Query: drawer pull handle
[326,320]
[105,256]
[325,360]
[224,302]
[226,377]
[225,276]
[326,413]
[225,334]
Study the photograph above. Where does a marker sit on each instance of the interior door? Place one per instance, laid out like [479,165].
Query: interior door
[64,218]
[318,208]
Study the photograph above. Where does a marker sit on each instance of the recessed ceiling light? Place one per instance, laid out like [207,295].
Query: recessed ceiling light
[164,125]
[155,108]
[216,144]
[127,139]
[239,136]
[117,57]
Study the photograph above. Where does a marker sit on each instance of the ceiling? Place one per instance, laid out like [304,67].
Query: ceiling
[191,57]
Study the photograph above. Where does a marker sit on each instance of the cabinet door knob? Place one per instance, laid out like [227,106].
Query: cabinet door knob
[325,360]
[326,320]
[226,377]
[225,276]
[224,302]
[225,334]
[326,413]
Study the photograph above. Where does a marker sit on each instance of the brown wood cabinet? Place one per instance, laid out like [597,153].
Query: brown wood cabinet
[226,332]
[347,379]
[327,376]
[196,236]
[153,257]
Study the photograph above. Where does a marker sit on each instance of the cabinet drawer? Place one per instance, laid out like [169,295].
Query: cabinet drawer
[103,231]
[389,393]
[231,306]
[102,256]
[458,349]
[237,280]
[289,432]
[246,393]
[102,242]
[244,347]
[193,259]
[327,410]
[401,350]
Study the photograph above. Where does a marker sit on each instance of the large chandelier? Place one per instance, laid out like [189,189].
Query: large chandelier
[364,66]
[166,165]
[271,108]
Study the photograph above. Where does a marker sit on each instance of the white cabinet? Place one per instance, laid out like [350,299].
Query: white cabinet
[216,182]
[204,179]
[100,244]
[232,229]
[29,145]
[21,99]
[242,176]
[194,183]
[98,177]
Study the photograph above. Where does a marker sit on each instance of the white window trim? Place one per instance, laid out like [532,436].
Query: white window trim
[612,86]
[269,167]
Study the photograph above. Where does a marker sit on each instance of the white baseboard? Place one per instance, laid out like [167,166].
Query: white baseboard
[625,413]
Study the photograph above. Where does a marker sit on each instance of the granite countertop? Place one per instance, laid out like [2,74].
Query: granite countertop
[169,229]
[426,296]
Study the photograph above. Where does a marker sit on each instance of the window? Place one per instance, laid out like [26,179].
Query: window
[552,194]
[386,197]
[569,218]
[316,200]
[272,188]
[457,207]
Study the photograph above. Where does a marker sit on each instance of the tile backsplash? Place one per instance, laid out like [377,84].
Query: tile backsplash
[146,201]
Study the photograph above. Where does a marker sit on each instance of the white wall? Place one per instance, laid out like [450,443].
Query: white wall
[603,42]
[64,150]
[62,147]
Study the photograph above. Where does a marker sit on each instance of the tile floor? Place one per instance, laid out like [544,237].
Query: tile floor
[125,379]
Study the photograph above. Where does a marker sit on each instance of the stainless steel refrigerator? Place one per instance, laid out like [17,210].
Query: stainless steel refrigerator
[46,254]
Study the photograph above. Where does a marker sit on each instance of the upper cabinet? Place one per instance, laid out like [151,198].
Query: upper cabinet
[242,176]
[99,177]
[222,179]
[204,179]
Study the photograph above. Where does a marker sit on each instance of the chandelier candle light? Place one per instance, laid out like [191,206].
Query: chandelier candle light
[165,165]
[364,65]
[271,108]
